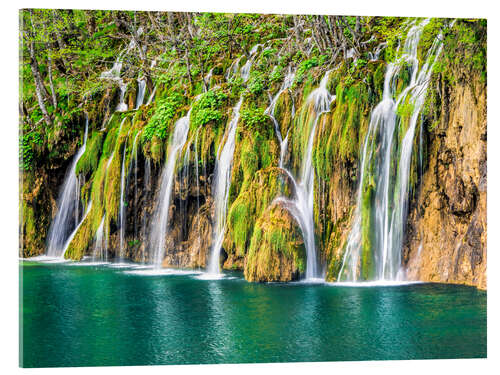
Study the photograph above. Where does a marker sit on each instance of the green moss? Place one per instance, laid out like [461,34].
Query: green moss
[254,198]
[283,111]
[253,118]
[277,252]
[164,113]
[90,158]
[208,108]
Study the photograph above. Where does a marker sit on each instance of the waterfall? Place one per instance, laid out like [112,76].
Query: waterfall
[380,152]
[122,206]
[151,96]
[245,69]
[100,250]
[302,206]
[67,216]
[122,106]
[141,85]
[184,188]
[207,79]
[222,183]
[113,153]
[68,241]
[287,83]
[159,230]
[147,189]
[114,75]
[196,162]
[233,68]
[135,167]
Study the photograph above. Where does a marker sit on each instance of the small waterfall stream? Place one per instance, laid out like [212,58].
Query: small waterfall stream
[222,182]
[302,206]
[100,250]
[134,166]
[160,224]
[245,69]
[68,241]
[392,185]
[287,83]
[114,75]
[151,97]
[141,85]
[68,202]
[145,217]
[122,213]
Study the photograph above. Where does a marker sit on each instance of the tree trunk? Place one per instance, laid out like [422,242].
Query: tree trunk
[39,87]
[54,98]
[188,66]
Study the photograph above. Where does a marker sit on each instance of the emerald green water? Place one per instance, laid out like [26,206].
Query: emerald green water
[97,316]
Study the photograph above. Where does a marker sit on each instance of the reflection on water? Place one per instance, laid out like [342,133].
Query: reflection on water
[98,315]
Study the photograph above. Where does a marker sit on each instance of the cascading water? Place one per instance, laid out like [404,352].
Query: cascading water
[221,189]
[380,150]
[159,230]
[302,206]
[122,213]
[114,75]
[141,85]
[207,79]
[245,69]
[100,251]
[134,166]
[287,83]
[151,97]
[147,189]
[67,216]
[68,241]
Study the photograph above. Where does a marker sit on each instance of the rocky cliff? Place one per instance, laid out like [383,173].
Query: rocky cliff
[445,229]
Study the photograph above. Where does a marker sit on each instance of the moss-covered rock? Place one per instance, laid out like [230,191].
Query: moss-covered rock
[265,186]
[277,251]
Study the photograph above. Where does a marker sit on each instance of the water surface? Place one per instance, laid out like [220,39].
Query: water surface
[73,315]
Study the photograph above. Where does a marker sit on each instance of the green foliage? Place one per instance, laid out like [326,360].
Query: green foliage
[389,30]
[90,158]
[464,49]
[208,108]
[253,117]
[276,75]
[303,68]
[28,143]
[256,83]
[164,112]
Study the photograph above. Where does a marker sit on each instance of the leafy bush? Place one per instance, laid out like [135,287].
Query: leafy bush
[208,108]
[276,75]
[303,68]
[253,117]
[27,145]
[256,83]
[165,111]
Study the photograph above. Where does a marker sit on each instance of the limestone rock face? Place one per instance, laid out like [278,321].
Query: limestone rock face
[277,251]
[446,234]
[266,185]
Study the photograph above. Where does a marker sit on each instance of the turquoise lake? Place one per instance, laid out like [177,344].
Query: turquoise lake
[81,315]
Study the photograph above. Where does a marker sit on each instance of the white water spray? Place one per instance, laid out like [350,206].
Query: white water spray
[160,224]
[222,184]
[141,85]
[302,206]
[67,216]
[379,152]
[287,83]
[100,250]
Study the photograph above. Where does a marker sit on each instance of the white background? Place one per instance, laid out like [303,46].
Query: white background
[9,275]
